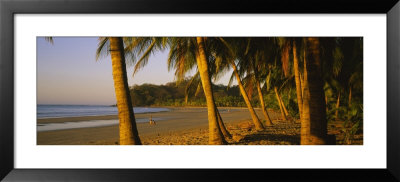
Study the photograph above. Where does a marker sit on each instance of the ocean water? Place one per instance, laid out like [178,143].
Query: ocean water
[85,124]
[57,111]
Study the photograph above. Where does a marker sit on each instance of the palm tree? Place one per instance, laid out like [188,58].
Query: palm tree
[299,92]
[215,134]
[127,125]
[263,108]
[233,51]
[189,52]
[313,120]
[253,114]
[185,53]
[182,66]
[275,80]
[128,133]
[258,53]
[280,103]
[285,44]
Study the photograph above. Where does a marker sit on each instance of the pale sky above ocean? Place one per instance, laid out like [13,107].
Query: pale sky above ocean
[68,73]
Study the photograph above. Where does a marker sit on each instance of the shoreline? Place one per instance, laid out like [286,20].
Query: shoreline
[109,117]
[86,118]
[176,120]
[186,126]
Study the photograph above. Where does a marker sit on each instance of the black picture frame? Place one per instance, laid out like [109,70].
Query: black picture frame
[9,8]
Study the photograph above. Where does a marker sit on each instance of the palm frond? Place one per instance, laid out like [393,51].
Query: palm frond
[103,48]
[49,39]
[231,79]
[144,59]
[337,61]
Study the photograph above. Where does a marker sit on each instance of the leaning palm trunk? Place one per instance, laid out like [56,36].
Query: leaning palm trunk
[302,76]
[283,106]
[326,103]
[264,110]
[128,134]
[215,135]
[297,79]
[337,107]
[313,121]
[221,124]
[186,99]
[253,114]
[350,97]
[280,104]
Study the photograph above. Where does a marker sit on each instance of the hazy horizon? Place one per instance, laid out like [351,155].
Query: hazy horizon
[68,73]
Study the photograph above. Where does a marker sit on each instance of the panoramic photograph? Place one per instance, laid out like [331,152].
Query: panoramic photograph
[199,91]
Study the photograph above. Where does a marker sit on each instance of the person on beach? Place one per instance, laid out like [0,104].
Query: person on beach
[152,122]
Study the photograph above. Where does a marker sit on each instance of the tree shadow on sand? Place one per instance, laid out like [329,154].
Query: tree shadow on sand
[272,139]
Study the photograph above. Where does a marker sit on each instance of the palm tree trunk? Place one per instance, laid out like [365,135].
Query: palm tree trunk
[128,133]
[264,110]
[313,121]
[326,103]
[221,124]
[350,97]
[302,76]
[253,114]
[280,104]
[283,106]
[297,79]
[215,135]
[337,107]
[186,99]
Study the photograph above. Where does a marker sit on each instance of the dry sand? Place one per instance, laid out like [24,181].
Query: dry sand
[182,126]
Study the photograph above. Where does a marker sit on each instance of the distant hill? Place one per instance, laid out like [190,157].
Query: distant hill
[173,94]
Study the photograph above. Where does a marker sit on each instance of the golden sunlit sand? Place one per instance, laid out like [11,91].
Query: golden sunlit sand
[183,126]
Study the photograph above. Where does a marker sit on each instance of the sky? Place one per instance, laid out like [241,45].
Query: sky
[68,73]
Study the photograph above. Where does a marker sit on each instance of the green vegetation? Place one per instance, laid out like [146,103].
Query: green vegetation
[173,94]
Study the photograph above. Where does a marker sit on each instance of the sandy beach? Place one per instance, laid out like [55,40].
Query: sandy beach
[180,126]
